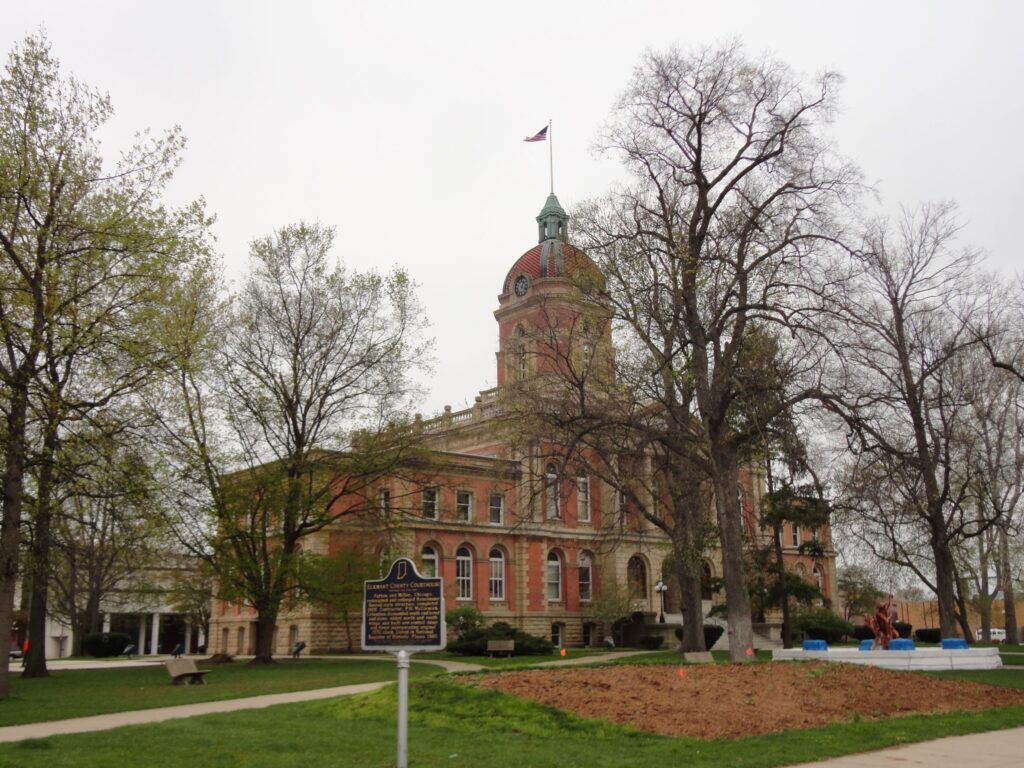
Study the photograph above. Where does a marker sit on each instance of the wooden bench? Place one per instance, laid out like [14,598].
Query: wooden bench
[500,646]
[183,671]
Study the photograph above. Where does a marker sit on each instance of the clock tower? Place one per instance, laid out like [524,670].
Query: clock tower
[543,304]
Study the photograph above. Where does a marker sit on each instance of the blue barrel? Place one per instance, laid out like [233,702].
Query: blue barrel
[815,645]
[901,644]
[954,644]
[866,645]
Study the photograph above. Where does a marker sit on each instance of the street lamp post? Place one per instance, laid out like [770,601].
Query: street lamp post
[660,588]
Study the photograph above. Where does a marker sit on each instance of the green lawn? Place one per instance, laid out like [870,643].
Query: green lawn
[81,693]
[454,725]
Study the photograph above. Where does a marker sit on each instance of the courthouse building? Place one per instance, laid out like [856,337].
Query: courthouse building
[495,513]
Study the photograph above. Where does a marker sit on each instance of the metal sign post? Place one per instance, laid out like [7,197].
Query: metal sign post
[403,708]
[403,613]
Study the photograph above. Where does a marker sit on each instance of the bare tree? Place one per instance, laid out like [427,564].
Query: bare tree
[734,188]
[904,395]
[291,403]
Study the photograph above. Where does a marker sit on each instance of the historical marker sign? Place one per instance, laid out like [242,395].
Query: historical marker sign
[403,611]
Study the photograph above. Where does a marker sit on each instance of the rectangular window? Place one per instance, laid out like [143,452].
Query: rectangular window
[496,509]
[384,501]
[430,503]
[796,535]
[463,506]
[583,499]
[585,583]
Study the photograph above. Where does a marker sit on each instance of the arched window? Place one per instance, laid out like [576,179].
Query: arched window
[551,491]
[583,498]
[553,576]
[463,574]
[429,559]
[496,583]
[636,576]
[557,634]
[586,578]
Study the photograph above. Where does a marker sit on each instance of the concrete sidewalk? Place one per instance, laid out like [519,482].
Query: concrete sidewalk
[140,716]
[992,749]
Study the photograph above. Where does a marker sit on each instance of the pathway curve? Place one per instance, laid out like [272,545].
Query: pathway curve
[139,716]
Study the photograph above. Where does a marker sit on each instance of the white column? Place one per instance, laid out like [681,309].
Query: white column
[202,640]
[106,622]
[154,634]
[188,638]
[140,642]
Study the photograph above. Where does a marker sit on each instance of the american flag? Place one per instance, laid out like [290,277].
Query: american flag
[541,135]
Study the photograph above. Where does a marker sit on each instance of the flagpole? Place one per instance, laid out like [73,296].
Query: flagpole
[551,156]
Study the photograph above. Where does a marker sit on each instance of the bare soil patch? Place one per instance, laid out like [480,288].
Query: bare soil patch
[736,700]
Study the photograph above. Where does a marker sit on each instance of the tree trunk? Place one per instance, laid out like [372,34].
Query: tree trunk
[10,525]
[1009,597]
[780,564]
[730,530]
[945,588]
[265,625]
[35,664]
[984,601]
[688,574]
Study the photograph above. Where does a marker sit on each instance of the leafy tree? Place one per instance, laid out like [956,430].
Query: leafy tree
[613,605]
[108,532]
[85,253]
[859,591]
[336,581]
[282,403]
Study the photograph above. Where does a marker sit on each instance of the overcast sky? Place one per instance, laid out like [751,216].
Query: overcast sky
[401,123]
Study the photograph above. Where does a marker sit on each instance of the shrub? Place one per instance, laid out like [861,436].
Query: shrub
[651,642]
[863,632]
[905,630]
[474,641]
[928,635]
[464,620]
[823,624]
[104,644]
[711,634]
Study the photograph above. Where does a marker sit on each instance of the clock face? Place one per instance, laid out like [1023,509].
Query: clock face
[521,285]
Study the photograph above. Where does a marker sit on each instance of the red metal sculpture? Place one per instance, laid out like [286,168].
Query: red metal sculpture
[881,624]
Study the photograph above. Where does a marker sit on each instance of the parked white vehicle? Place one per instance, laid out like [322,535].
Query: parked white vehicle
[997,634]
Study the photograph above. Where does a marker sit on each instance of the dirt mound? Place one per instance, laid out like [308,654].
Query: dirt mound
[733,701]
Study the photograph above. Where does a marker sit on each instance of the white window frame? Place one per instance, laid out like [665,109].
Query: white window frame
[384,501]
[463,574]
[583,498]
[464,506]
[429,555]
[795,531]
[501,509]
[431,498]
[586,568]
[553,577]
[496,580]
